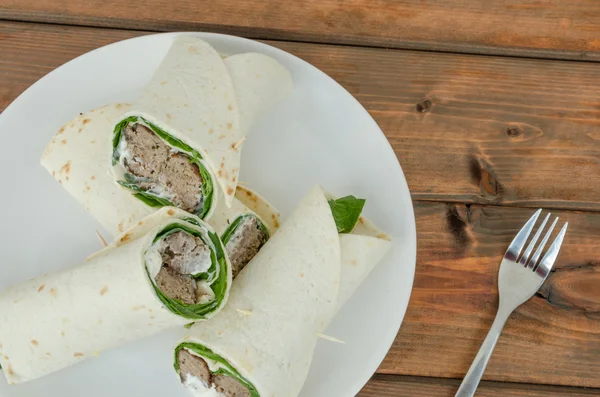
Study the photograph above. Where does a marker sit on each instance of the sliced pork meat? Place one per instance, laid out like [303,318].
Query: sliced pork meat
[183,255]
[159,170]
[190,364]
[184,181]
[147,152]
[176,285]
[229,387]
[245,243]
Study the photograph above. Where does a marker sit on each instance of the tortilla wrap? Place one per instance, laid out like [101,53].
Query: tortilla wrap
[191,104]
[59,319]
[79,156]
[266,335]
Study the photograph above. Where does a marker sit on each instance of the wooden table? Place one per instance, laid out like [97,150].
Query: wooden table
[493,108]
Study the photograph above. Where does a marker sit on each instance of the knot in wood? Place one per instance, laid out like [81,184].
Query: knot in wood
[513,132]
[424,106]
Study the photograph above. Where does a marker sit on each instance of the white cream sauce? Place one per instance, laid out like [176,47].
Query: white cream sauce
[236,237]
[213,365]
[204,291]
[199,388]
[153,259]
[196,385]
[154,263]
[119,170]
[201,265]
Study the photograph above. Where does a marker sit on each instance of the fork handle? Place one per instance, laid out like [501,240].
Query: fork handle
[471,381]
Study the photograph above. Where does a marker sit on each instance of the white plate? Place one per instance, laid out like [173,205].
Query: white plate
[320,134]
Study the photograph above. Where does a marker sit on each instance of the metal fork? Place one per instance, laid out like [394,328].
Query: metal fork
[518,279]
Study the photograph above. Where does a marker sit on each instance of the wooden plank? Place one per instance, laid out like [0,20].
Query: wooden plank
[473,129]
[553,338]
[408,386]
[550,28]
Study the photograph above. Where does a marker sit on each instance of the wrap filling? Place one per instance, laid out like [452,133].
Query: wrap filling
[243,239]
[183,257]
[210,374]
[160,169]
[188,269]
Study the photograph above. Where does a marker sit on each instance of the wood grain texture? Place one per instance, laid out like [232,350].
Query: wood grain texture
[553,338]
[409,386]
[468,129]
[550,28]
[472,129]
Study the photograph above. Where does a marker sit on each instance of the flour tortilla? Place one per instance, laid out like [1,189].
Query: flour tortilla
[84,174]
[79,155]
[59,319]
[281,300]
[191,97]
[194,95]
[361,251]
[259,82]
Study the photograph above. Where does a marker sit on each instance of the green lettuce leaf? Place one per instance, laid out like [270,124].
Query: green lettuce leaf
[346,211]
[165,136]
[147,197]
[207,189]
[226,236]
[117,134]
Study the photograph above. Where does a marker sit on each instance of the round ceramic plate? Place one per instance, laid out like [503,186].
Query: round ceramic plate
[318,135]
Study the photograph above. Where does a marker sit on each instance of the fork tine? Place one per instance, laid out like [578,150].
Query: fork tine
[538,252]
[515,247]
[548,259]
[523,260]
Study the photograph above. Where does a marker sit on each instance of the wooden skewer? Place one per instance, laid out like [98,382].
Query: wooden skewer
[102,240]
[244,312]
[239,143]
[329,338]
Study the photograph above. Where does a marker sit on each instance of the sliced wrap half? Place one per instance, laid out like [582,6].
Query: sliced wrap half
[181,147]
[262,343]
[143,283]
[188,121]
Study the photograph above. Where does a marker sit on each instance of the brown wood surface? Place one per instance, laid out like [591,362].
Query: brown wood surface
[500,131]
[554,338]
[408,386]
[549,28]
[473,129]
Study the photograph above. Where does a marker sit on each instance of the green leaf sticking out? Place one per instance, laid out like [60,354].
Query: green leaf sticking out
[346,211]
